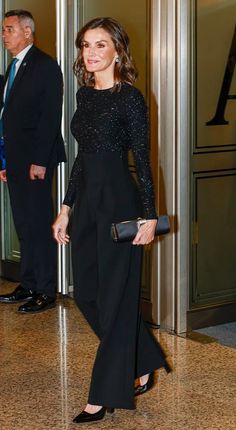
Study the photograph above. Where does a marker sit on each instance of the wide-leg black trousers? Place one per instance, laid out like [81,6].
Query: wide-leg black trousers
[107,280]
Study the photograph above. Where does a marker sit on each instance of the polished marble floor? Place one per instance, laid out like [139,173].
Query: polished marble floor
[46,361]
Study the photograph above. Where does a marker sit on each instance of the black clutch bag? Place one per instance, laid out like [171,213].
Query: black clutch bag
[126,231]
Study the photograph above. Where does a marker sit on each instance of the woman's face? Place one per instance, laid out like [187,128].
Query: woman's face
[98,51]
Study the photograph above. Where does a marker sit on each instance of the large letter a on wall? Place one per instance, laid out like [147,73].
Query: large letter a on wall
[219,118]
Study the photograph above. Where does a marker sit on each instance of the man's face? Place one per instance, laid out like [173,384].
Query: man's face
[16,36]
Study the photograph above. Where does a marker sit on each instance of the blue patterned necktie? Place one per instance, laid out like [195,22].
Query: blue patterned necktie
[11,77]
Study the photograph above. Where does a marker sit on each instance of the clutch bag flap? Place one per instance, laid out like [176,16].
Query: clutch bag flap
[124,231]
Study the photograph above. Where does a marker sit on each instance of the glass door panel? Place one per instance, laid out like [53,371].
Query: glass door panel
[213,155]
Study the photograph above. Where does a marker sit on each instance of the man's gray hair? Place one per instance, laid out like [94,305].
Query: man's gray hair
[24,16]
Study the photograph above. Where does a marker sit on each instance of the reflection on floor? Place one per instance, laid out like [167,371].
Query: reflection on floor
[223,333]
[46,361]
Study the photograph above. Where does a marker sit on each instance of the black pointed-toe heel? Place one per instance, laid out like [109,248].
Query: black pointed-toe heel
[141,389]
[86,417]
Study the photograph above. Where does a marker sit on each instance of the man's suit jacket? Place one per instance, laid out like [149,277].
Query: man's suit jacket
[32,114]
[1,86]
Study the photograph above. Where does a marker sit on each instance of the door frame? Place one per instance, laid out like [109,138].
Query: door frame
[171,84]
[67,15]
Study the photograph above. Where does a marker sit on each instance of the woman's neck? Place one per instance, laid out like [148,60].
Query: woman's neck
[103,82]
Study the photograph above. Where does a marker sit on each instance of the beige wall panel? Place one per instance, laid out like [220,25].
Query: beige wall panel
[44,13]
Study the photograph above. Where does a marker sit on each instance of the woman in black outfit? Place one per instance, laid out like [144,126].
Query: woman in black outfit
[111,119]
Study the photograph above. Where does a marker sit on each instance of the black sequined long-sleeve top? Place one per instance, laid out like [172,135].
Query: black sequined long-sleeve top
[113,121]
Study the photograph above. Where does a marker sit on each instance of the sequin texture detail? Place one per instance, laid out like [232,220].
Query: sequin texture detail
[113,121]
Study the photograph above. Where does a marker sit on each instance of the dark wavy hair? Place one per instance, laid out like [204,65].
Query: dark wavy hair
[124,71]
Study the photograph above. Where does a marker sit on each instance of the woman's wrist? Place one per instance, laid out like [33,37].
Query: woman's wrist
[65,210]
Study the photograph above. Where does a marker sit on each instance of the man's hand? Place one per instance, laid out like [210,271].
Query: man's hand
[37,172]
[3,175]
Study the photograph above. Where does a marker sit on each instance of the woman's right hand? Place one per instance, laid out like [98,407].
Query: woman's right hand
[60,224]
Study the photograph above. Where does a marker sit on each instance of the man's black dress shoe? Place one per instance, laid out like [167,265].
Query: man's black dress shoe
[141,389]
[20,294]
[85,417]
[39,303]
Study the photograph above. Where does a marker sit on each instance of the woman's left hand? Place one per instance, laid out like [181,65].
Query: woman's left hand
[146,233]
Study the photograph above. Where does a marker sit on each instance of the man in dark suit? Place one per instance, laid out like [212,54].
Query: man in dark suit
[32,147]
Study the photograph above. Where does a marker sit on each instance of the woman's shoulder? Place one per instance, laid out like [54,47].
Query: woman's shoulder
[131,90]
[132,95]
[81,93]
[81,90]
